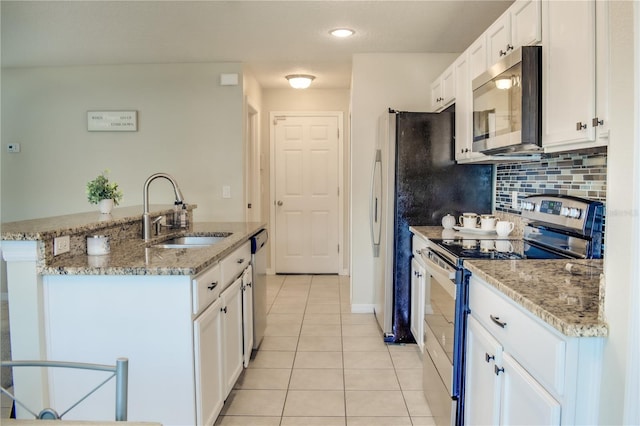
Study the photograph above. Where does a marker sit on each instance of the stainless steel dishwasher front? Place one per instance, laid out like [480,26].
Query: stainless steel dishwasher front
[259,261]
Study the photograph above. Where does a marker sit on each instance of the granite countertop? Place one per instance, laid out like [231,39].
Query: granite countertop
[135,257]
[129,254]
[50,227]
[571,302]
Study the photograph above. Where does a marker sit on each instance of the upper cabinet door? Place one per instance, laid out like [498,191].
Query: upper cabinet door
[568,72]
[499,39]
[519,26]
[478,57]
[526,25]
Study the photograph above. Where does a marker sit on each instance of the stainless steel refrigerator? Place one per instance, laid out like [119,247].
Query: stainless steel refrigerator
[415,181]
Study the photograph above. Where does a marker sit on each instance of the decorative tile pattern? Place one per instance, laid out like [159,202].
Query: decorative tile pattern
[581,174]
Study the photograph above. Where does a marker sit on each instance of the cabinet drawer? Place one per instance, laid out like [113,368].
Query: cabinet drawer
[417,244]
[233,265]
[539,350]
[206,288]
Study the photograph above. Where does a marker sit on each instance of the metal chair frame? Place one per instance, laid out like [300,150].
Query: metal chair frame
[120,372]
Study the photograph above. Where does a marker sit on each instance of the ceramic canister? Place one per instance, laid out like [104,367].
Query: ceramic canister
[98,245]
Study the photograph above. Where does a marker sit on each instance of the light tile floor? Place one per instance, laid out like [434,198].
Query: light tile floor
[319,364]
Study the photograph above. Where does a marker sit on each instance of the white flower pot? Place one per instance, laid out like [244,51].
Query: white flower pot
[105,206]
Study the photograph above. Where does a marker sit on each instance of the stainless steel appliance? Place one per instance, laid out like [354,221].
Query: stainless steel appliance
[507,107]
[558,227]
[259,262]
[415,181]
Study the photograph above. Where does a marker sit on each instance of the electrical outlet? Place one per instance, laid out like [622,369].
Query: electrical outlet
[226,191]
[13,147]
[514,200]
[61,245]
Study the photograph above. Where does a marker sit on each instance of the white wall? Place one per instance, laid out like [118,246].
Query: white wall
[622,216]
[379,81]
[307,100]
[189,126]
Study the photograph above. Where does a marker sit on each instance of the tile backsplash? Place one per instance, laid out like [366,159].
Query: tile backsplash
[581,174]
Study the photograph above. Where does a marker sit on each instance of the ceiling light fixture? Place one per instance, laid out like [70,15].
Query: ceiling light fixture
[300,81]
[342,32]
[504,83]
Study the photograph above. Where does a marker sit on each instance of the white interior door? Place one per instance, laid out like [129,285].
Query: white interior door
[306,159]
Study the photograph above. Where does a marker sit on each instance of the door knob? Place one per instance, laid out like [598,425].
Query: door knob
[279,202]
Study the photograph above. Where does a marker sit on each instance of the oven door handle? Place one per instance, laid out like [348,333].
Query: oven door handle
[436,270]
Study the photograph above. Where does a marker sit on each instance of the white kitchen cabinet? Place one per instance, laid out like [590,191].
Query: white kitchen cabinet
[464,112]
[418,277]
[575,75]
[247,314]
[483,386]
[524,400]
[498,389]
[519,26]
[530,373]
[232,334]
[208,344]
[233,265]
[478,57]
[443,90]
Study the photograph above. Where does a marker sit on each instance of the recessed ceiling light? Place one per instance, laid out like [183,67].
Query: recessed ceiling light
[342,32]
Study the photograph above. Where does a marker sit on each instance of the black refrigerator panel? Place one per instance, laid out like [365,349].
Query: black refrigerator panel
[428,185]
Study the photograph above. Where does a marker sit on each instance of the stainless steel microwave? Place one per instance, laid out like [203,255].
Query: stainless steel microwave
[507,107]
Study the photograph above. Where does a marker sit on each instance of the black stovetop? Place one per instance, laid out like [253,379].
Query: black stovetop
[498,249]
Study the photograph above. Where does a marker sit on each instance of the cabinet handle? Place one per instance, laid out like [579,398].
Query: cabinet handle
[502,53]
[498,370]
[224,309]
[497,321]
[241,260]
[595,122]
[488,357]
[212,285]
[509,47]
[580,126]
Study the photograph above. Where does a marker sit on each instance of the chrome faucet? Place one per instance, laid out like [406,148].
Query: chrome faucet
[146,218]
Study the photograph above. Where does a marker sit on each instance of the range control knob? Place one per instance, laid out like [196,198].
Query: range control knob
[575,213]
[528,206]
[565,211]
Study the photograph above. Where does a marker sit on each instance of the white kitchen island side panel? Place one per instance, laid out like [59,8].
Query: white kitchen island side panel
[146,319]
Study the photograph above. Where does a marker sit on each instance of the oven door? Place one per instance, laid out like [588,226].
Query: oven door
[439,384]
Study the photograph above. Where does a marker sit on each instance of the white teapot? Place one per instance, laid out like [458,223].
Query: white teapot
[448,221]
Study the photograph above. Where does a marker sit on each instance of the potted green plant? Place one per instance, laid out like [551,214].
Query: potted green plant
[104,193]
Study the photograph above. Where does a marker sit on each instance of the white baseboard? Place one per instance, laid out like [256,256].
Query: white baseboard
[362,308]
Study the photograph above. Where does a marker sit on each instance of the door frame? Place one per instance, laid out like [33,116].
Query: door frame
[252,163]
[341,184]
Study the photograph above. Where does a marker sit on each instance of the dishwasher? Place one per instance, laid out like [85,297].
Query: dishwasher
[259,262]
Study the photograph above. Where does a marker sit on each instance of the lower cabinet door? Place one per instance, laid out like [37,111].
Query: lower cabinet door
[482,385]
[208,364]
[247,314]
[232,334]
[525,401]
[417,302]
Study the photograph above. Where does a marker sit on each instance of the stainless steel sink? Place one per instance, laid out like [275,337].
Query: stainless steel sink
[191,242]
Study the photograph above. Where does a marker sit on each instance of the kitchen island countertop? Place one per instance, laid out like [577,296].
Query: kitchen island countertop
[130,254]
[135,257]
